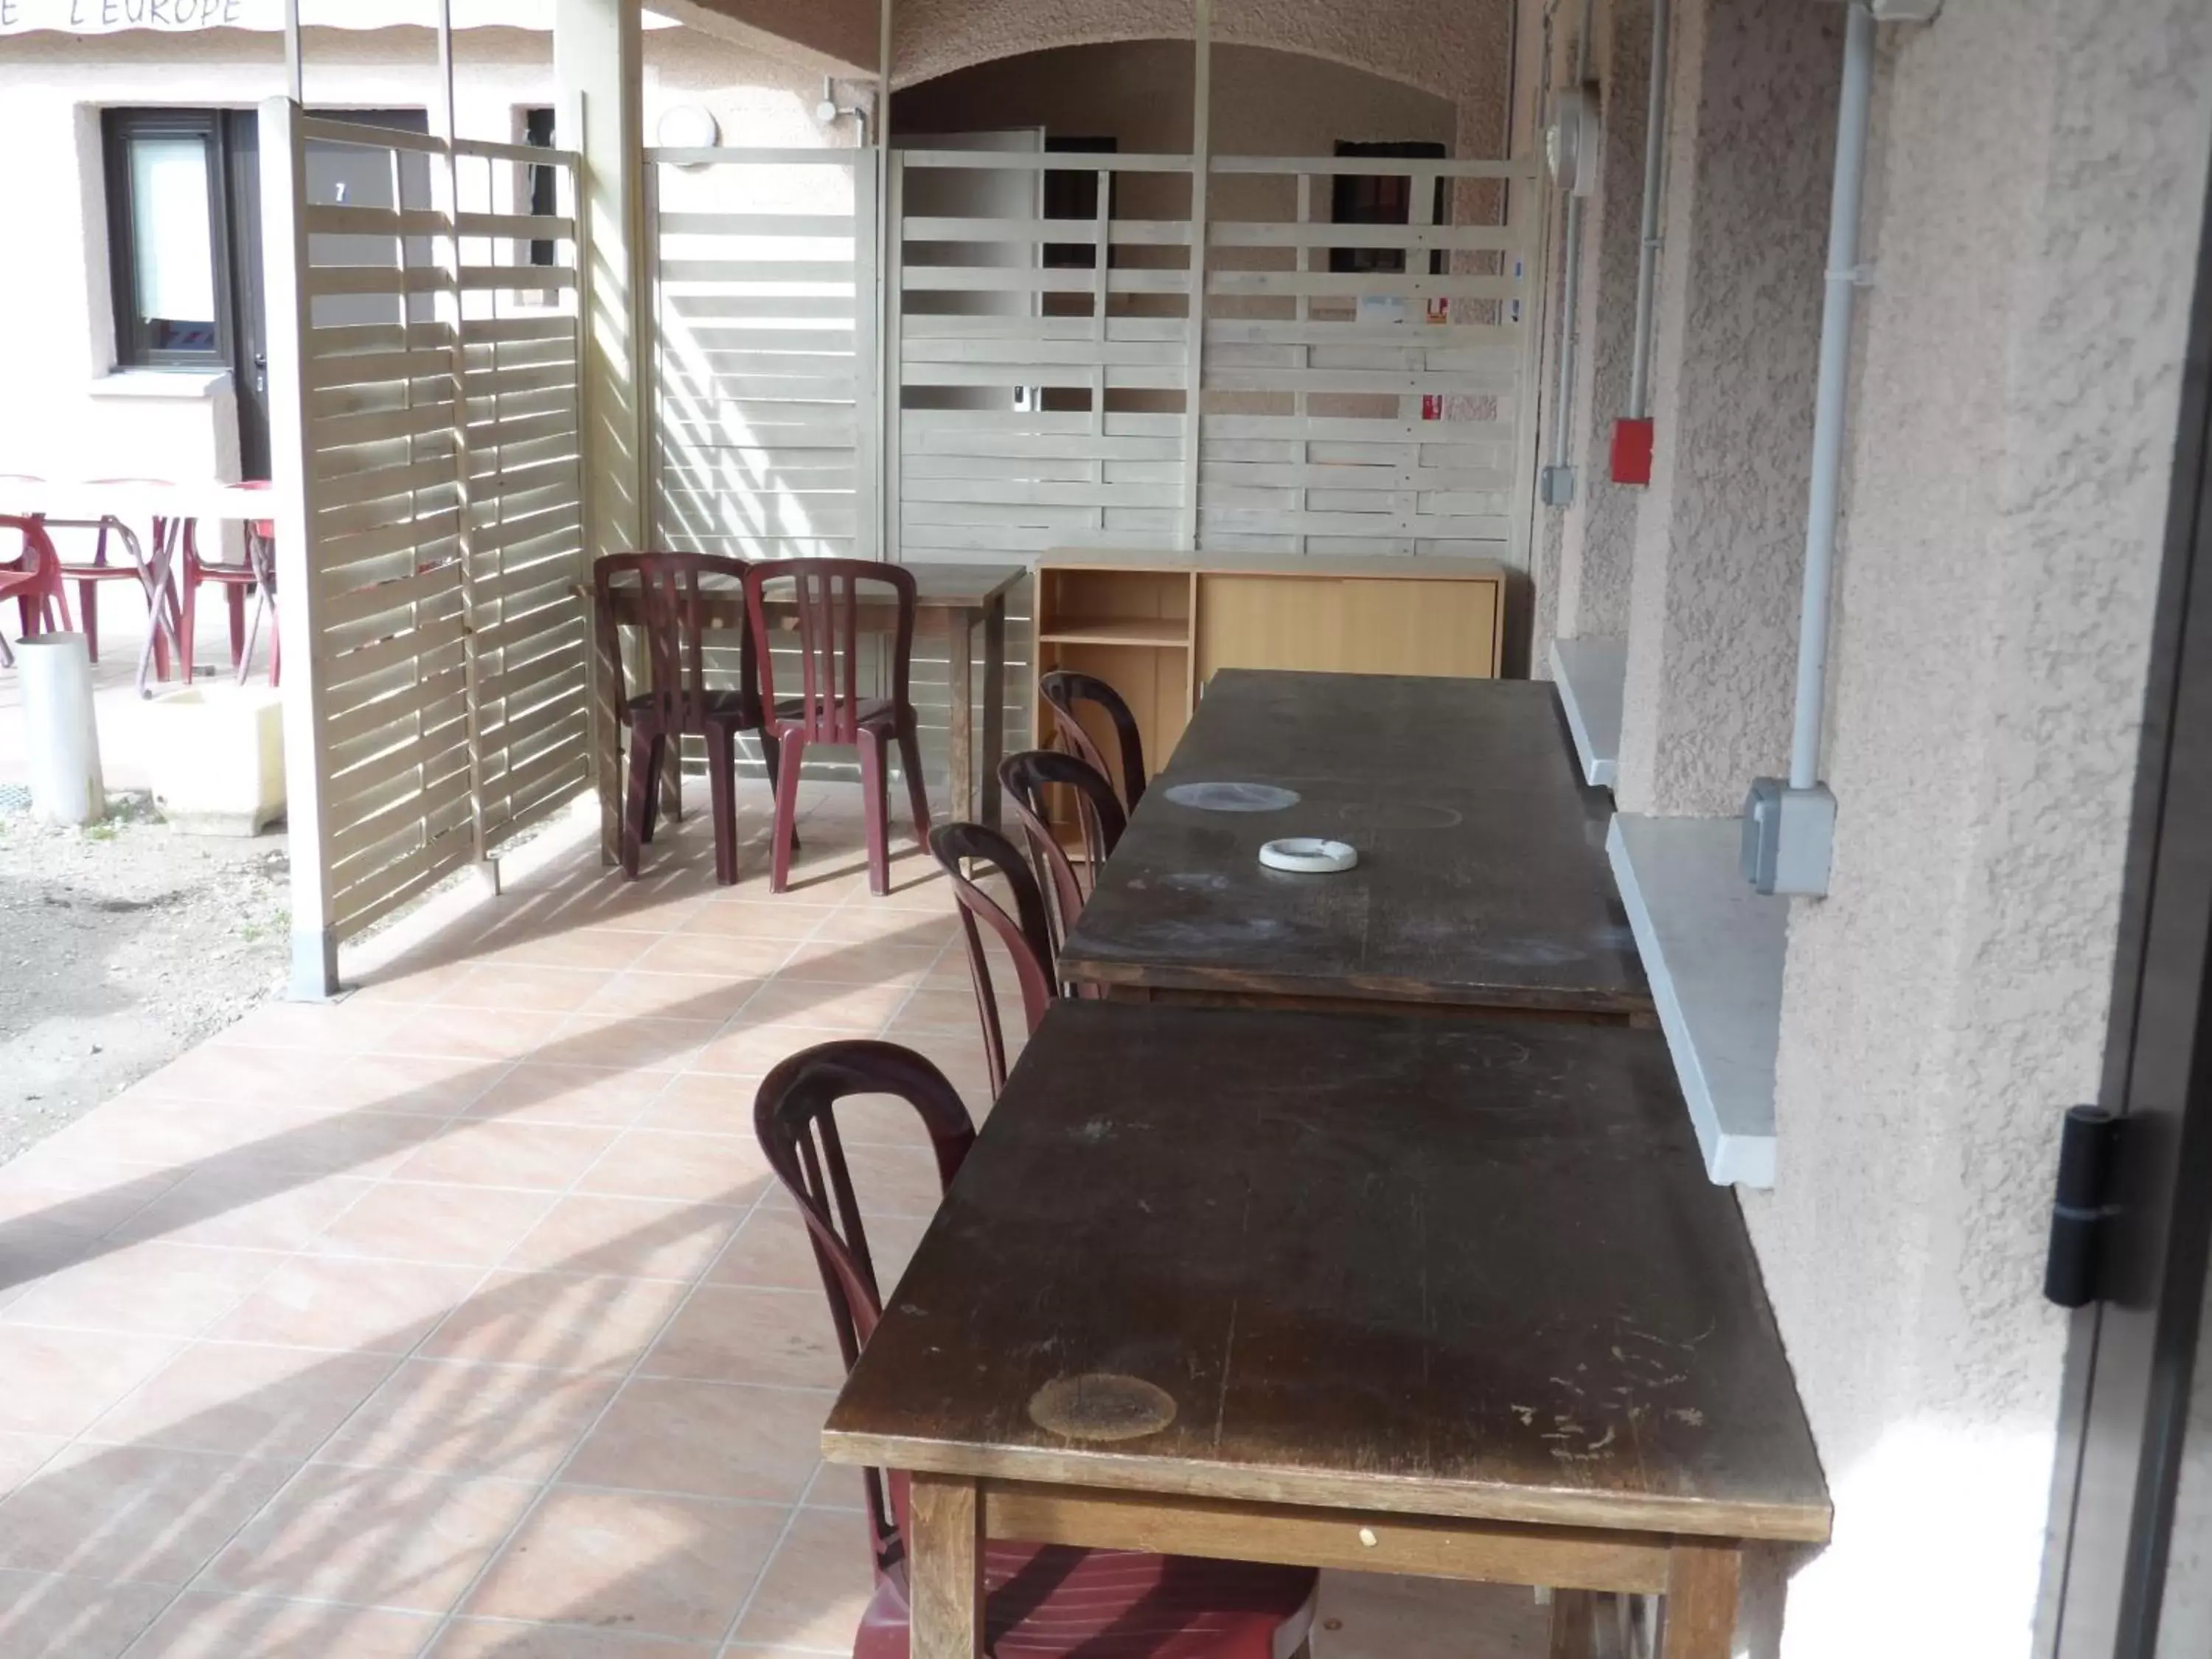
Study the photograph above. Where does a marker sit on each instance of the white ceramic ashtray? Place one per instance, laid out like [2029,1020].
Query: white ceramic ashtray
[1309,855]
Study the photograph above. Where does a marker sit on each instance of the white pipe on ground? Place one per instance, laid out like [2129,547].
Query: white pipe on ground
[1647,255]
[66,784]
[1829,393]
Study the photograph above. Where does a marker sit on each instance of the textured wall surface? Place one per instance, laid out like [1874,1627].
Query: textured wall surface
[2012,436]
[1713,609]
[1598,536]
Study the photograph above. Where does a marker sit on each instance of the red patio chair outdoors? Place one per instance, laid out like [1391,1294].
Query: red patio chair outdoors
[678,702]
[830,595]
[257,575]
[1026,934]
[1029,778]
[31,576]
[1064,689]
[1042,1601]
[167,633]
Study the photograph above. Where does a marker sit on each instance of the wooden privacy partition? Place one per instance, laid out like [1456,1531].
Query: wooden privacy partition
[423,370]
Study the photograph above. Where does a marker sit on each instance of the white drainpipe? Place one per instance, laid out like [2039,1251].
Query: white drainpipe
[1647,255]
[1558,485]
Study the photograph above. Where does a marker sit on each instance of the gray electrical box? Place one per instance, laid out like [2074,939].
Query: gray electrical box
[1789,837]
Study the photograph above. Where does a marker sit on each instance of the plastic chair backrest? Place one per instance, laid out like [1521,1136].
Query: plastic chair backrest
[1029,778]
[1026,934]
[1063,689]
[36,559]
[794,1116]
[827,599]
[672,616]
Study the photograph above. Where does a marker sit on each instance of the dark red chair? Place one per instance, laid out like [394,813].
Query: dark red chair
[1042,1601]
[828,598]
[257,575]
[32,578]
[160,559]
[1026,934]
[87,574]
[677,702]
[1066,691]
[1029,779]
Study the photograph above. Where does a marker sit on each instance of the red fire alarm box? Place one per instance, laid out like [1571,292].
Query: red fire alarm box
[1631,452]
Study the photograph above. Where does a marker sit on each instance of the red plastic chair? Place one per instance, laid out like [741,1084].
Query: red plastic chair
[1042,1601]
[32,578]
[679,701]
[1064,689]
[1027,933]
[257,576]
[1028,779]
[167,633]
[829,600]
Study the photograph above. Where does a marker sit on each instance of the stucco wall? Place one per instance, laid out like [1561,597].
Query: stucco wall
[1598,532]
[69,415]
[1720,533]
[2012,436]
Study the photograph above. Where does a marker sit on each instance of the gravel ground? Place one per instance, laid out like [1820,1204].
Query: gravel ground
[122,945]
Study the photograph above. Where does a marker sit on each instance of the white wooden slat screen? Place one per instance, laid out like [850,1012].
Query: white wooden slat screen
[423,395]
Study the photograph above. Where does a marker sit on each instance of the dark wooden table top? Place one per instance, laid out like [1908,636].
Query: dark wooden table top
[1468,1269]
[1482,880]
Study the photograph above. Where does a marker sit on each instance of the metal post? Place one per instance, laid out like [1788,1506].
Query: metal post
[1202,163]
[1655,178]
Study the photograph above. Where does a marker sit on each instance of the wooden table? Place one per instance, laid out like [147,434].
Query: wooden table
[952,603]
[1482,884]
[1441,1297]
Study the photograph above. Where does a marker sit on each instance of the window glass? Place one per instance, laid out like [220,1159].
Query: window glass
[172,243]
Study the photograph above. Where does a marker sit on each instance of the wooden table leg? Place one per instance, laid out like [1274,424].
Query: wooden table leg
[994,709]
[1702,1576]
[960,681]
[944,1567]
[1574,1624]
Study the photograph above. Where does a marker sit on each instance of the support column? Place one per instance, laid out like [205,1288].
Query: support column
[599,69]
[1598,533]
[1719,552]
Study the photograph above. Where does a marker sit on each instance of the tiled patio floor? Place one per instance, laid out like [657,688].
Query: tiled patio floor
[459,1318]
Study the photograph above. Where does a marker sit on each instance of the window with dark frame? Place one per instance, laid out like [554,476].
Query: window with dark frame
[542,185]
[1381,199]
[169,235]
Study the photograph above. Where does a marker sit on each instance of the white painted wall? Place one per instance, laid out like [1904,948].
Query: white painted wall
[67,414]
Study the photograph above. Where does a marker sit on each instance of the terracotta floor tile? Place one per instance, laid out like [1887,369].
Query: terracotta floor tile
[156,1288]
[59,1381]
[642,994]
[373,1307]
[773,1249]
[703,1103]
[752,1051]
[533,1093]
[517,985]
[21,1454]
[488,1153]
[135,1512]
[244,1399]
[324,1027]
[202,1624]
[449,1417]
[843,962]
[388,1538]
[637,1238]
[412,979]
[730,1333]
[468,1033]
[44,1618]
[860,1009]
[463,1226]
[241,1076]
[816,1586]
[866,922]
[430,1085]
[928,1009]
[628,1041]
[604,948]
[245,1202]
[660,902]
[710,1439]
[559,1321]
[723,956]
[501,1639]
[894,1181]
[655,1566]
[789,916]
[657,1164]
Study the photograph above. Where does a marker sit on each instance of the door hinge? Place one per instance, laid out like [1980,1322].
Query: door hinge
[2083,1212]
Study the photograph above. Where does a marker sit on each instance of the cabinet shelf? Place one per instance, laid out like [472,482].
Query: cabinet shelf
[1173,631]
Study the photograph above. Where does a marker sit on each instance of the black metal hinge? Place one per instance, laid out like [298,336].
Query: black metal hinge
[2083,1212]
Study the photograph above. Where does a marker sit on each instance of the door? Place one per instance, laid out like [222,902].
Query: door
[2133,1571]
[249,334]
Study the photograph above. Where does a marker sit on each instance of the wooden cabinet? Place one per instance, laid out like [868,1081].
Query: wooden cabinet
[1158,627]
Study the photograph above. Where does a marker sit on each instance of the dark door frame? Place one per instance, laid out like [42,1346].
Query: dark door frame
[2132,1355]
